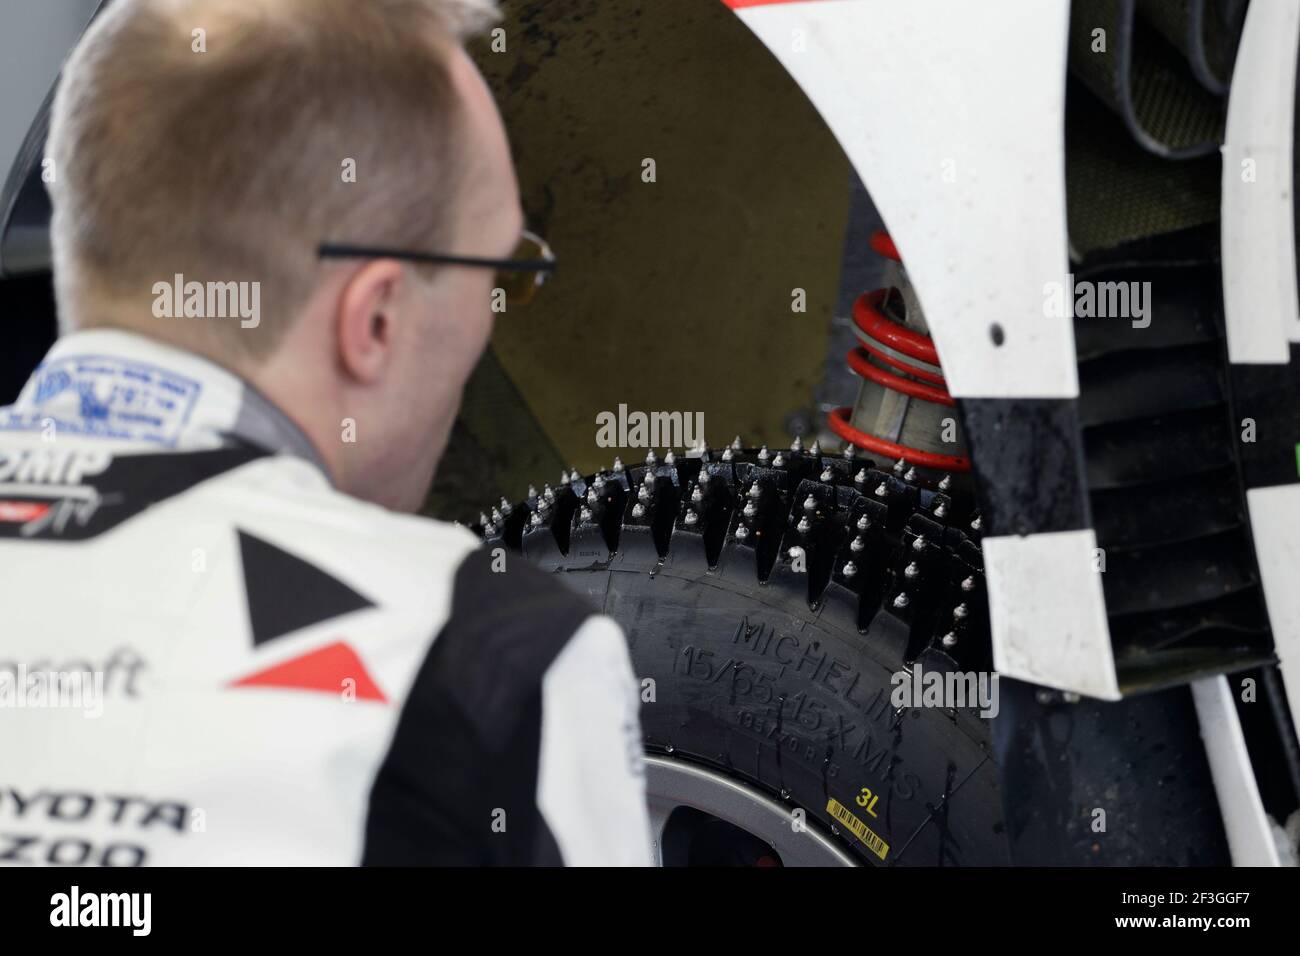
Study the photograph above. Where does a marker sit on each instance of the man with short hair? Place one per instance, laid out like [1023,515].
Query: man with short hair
[278,227]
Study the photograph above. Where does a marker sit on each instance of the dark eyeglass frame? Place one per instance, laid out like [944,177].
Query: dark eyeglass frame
[541,268]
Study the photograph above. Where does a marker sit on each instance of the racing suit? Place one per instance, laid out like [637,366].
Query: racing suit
[211,656]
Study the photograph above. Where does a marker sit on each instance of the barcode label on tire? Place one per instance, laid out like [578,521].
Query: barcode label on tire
[857,828]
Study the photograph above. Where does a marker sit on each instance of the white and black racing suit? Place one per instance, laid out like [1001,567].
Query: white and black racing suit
[209,655]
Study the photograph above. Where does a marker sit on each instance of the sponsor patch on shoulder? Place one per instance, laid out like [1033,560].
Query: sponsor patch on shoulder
[105,397]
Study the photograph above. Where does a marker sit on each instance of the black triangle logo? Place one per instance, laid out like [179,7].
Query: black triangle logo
[286,593]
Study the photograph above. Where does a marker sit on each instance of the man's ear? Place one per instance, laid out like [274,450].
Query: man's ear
[367,318]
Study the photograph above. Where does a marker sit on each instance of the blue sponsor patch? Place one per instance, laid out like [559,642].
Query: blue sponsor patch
[105,397]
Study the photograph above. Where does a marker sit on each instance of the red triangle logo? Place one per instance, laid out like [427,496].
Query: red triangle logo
[328,670]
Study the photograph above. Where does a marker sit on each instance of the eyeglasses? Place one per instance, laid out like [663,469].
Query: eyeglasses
[518,277]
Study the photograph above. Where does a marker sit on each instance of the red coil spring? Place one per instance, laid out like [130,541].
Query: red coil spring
[894,344]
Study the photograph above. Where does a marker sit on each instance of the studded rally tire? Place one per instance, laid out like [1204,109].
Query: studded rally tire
[769,600]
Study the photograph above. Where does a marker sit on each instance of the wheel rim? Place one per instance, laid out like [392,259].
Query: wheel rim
[675,784]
